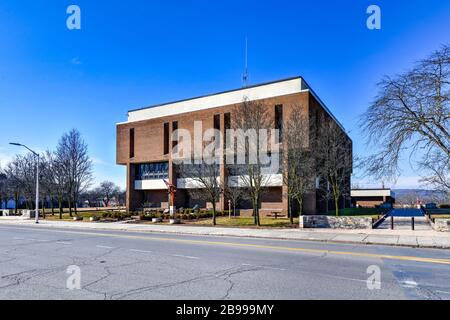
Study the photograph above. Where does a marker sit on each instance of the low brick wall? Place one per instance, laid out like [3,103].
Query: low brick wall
[336,222]
[442,225]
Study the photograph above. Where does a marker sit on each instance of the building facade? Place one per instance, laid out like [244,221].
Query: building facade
[371,198]
[144,145]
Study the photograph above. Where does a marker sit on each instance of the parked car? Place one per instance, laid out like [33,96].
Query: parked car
[431,206]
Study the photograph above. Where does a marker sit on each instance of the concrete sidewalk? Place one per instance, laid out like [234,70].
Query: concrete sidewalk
[420,238]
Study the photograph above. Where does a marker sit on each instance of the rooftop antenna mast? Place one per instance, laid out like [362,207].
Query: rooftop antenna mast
[245,75]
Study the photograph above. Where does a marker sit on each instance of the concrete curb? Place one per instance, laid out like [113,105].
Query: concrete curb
[362,238]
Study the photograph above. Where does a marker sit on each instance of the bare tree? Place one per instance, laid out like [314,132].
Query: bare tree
[48,179]
[3,187]
[203,181]
[298,161]
[234,195]
[58,164]
[107,191]
[411,114]
[250,118]
[72,155]
[14,182]
[438,165]
[334,160]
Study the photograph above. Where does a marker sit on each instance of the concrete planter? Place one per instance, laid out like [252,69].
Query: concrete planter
[442,225]
[174,221]
[329,222]
[29,214]
[156,220]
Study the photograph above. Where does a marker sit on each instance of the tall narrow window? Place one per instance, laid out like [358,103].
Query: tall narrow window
[166,138]
[217,127]
[174,134]
[131,143]
[279,120]
[227,125]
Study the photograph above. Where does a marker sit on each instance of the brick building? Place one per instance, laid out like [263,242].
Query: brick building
[371,198]
[144,143]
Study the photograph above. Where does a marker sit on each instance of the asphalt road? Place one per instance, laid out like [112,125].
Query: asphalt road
[129,265]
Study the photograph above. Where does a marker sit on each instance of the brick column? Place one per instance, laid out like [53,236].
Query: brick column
[222,202]
[130,187]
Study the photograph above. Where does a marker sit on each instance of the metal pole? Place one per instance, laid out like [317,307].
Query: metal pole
[392,222]
[412,223]
[37,189]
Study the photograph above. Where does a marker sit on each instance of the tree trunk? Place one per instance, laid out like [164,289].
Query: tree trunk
[258,223]
[255,206]
[60,204]
[291,216]
[70,207]
[336,205]
[16,200]
[52,206]
[214,213]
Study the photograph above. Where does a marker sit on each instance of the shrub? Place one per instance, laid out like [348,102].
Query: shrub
[444,206]
[105,215]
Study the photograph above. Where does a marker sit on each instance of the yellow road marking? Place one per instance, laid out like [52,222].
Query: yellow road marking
[249,245]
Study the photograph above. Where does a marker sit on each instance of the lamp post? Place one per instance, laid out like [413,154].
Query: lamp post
[36,213]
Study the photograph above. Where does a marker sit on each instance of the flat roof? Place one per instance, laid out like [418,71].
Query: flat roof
[255,92]
[372,193]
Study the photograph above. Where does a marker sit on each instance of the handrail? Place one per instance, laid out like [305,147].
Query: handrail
[382,219]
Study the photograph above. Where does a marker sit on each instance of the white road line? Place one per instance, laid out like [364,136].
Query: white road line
[264,267]
[182,256]
[440,291]
[64,242]
[409,283]
[38,240]
[141,251]
[105,247]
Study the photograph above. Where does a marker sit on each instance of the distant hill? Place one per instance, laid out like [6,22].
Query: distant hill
[409,196]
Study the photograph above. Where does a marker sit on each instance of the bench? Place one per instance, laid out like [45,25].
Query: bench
[276,214]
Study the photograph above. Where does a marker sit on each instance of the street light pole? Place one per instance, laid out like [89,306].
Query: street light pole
[37,189]
[36,213]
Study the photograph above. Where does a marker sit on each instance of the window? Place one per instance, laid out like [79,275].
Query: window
[174,134]
[166,138]
[131,143]
[217,127]
[279,119]
[152,171]
[227,125]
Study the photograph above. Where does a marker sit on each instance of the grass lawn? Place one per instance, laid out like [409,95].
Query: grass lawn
[438,211]
[66,216]
[440,216]
[359,212]
[245,222]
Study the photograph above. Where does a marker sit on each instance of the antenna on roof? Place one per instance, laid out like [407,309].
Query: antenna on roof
[245,75]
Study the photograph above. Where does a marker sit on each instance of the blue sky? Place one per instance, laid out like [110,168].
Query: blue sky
[130,54]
